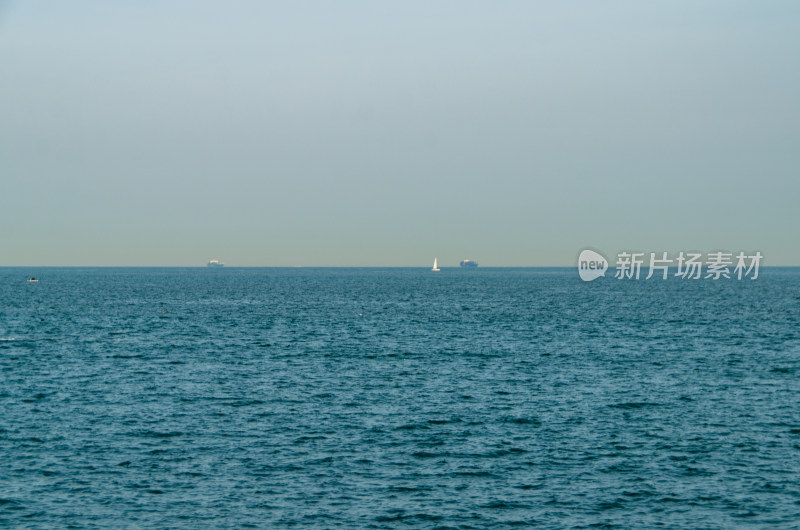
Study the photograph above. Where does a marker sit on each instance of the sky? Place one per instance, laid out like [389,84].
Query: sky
[363,133]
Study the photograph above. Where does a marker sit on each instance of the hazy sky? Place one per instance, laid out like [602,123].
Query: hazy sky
[387,133]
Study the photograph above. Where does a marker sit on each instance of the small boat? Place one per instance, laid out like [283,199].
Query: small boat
[435,268]
[32,280]
[215,264]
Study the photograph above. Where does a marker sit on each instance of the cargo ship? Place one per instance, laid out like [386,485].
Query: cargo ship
[215,263]
[468,264]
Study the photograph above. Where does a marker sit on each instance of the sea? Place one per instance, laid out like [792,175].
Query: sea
[397,398]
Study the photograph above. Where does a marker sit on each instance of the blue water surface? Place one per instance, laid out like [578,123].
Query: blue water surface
[381,398]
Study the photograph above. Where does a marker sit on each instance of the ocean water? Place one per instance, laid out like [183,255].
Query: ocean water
[383,398]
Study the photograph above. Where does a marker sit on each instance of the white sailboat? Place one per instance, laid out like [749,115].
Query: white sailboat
[435,268]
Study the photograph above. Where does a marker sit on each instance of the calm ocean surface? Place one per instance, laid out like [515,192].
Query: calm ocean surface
[380,398]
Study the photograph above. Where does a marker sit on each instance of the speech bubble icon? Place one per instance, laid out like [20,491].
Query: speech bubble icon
[591,265]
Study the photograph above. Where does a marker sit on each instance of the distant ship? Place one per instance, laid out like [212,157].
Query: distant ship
[468,264]
[435,267]
[215,263]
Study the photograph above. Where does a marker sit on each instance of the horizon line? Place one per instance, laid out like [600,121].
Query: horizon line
[321,267]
